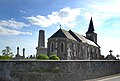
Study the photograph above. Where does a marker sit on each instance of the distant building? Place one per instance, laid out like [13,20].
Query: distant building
[68,45]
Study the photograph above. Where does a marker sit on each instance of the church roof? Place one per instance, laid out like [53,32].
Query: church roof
[82,38]
[61,33]
[91,27]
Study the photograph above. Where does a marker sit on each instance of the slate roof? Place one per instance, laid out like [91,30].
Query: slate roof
[61,33]
[82,38]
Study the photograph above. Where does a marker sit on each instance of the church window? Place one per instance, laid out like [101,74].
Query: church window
[88,49]
[62,47]
[96,51]
[52,47]
[82,47]
[92,49]
[56,45]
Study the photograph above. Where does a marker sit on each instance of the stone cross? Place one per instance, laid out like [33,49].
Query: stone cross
[69,51]
[110,52]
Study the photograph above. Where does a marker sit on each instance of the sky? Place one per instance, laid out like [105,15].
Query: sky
[21,20]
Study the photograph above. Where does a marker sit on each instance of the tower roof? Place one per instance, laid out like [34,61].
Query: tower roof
[91,27]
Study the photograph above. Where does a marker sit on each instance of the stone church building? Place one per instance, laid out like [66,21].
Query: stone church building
[69,45]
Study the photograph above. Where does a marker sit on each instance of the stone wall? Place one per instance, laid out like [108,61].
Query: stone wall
[56,70]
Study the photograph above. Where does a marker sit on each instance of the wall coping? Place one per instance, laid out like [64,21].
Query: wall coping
[59,60]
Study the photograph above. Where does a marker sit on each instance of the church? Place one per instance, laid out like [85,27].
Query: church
[69,45]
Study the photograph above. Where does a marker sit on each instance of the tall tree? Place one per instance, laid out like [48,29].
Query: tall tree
[7,51]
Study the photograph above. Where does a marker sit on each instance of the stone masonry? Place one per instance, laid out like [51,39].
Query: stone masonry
[56,70]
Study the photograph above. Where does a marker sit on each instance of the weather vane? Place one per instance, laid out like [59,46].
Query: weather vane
[91,14]
[60,26]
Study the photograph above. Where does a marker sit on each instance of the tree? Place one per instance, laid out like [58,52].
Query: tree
[7,51]
[43,57]
[54,57]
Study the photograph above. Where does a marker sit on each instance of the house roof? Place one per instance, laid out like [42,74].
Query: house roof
[61,33]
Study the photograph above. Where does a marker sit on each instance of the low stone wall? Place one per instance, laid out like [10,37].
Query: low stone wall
[56,70]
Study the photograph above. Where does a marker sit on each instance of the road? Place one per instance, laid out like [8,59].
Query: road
[107,78]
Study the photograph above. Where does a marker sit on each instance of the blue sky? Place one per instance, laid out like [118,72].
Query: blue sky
[21,20]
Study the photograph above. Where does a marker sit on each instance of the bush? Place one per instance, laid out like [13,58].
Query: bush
[5,57]
[43,57]
[1,57]
[54,57]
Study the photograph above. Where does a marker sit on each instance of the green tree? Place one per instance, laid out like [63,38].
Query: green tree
[54,57]
[42,57]
[7,51]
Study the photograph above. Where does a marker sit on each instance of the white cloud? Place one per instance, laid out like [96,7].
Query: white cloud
[22,11]
[102,11]
[65,16]
[5,31]
[12,24]
[109,6]
[98,18]
[11,27]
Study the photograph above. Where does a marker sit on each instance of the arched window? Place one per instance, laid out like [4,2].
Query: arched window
[62,47]
[52,47]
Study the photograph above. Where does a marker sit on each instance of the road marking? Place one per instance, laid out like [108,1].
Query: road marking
[109,78]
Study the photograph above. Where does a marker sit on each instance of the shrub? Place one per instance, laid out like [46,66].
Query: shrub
[1,57]
[54,57]
[42,57]
[5,57]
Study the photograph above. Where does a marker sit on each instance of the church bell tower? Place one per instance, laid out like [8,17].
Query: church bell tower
[90,34]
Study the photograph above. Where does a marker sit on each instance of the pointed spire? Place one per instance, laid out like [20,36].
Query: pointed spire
[91,27]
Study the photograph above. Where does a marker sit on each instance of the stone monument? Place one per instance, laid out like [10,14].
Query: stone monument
[41,43]
[23,53]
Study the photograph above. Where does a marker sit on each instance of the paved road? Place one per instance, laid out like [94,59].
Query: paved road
[107,78]
[117,78]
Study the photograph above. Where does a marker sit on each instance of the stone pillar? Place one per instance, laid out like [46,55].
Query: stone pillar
[41,39]
[23,53]
[17,50]
[41,43]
